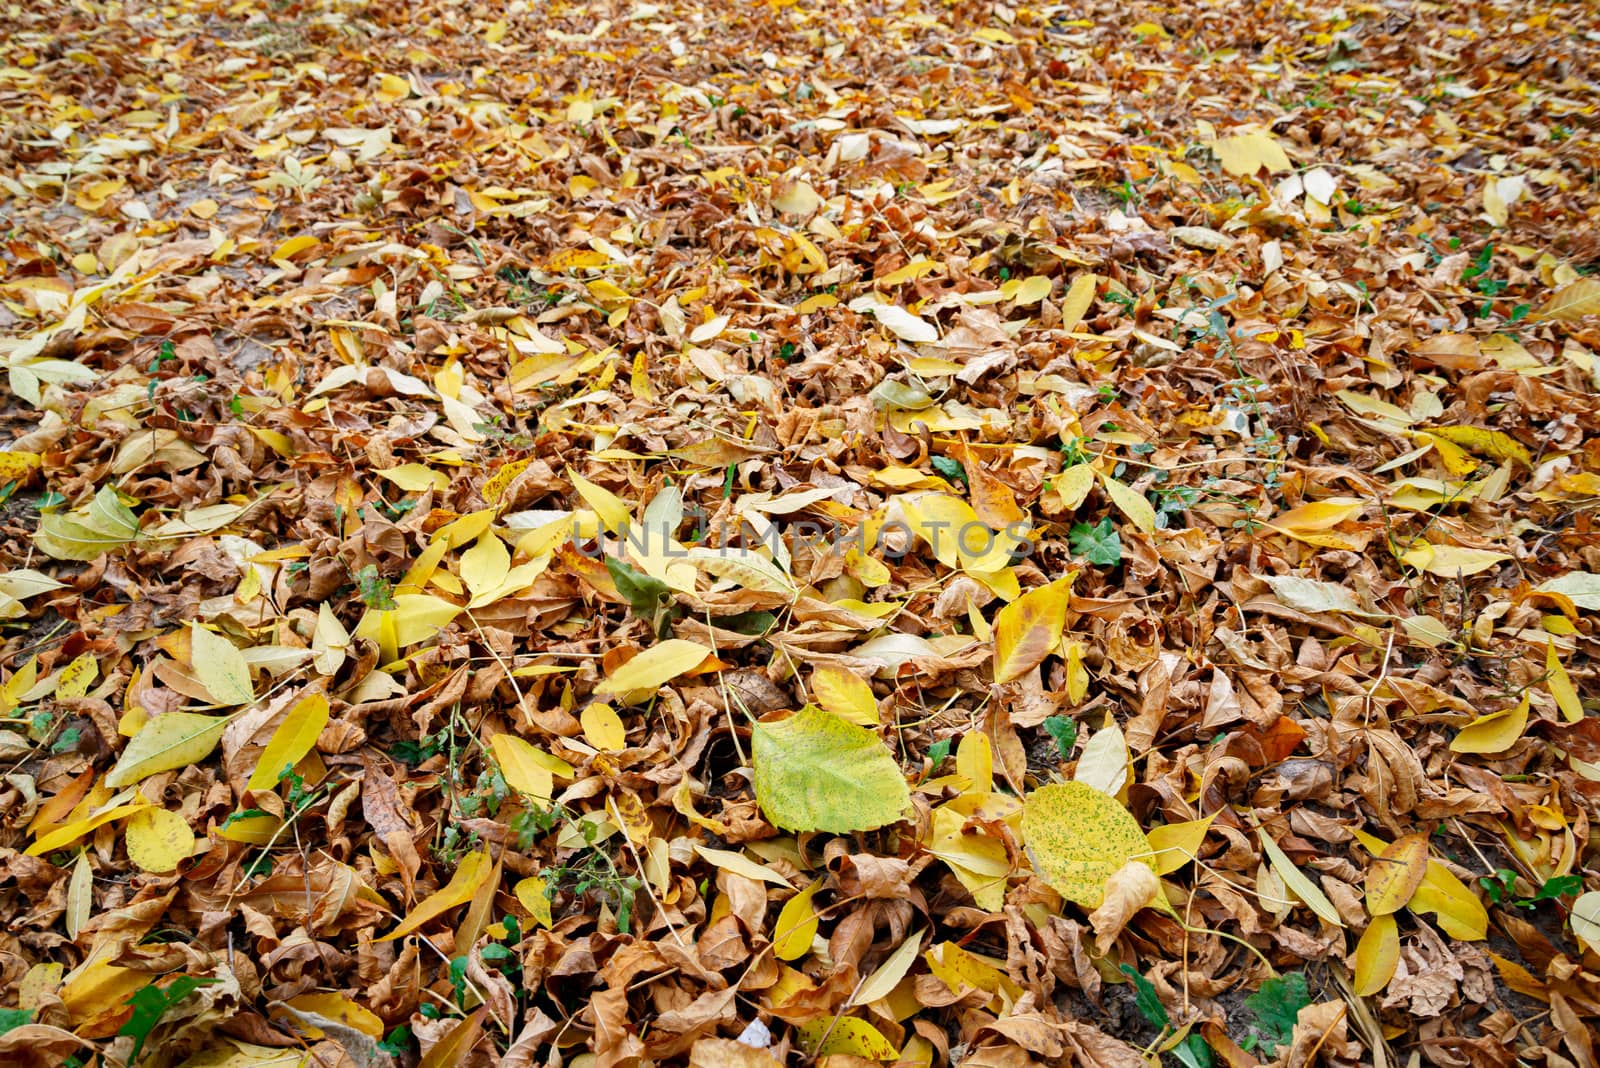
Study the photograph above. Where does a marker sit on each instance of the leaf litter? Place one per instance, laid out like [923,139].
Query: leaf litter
[510,511]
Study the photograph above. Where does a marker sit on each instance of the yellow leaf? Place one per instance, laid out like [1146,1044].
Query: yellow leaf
[469,875]
[844,693]
[171,740]
[1316,516]
[603,728]
[826,1036]
[1104,761]
[290,742]
[1075,305]
[18,465]
[392,87]
[1491,443]
[1077,681]
[416,617]
[1572,302]
[1377,956]
[158,840]
[1559,683]
[1585,917]
[338,1008]
[1297,881]
[1028,628]
[456,1043]
[1176,844]
[887,976]
[496,486]
[530,892]
[1460,913]
[523,770]
[80,899]
[1395,874]
[486,565]
[1248,153]
[1074,485]
[76,678]
[220,667]
[975,762]
[251,830]
[607,505]
[655,667]
[416,478]
[797,925]
[741,865]
[1132,503]
[293,247]
[78,828]
[1494,733]
[1455,459]
[1078,838]
[1033,289]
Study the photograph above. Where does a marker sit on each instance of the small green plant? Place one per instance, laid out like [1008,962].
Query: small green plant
[1097,543]
[375,591]
[1276,1007]
[1063,730]
[1502,884]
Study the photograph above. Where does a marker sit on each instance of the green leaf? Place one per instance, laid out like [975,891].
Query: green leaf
[816,771]
[1064,730]
[1145,998]
[14,1018]
[1277,1006]
[937,752]
[151,1003]
[950,470]
[644,593]
[1097,543]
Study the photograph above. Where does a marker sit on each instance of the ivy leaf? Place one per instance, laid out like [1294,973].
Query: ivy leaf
[1097,543]
[11,1019]
[1277,1006]
[1064,731]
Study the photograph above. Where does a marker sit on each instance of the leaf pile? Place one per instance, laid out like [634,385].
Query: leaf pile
[941,534]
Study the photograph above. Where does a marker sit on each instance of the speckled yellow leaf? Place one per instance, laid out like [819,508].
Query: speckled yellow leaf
[846,1034]
[1394,875]
[76,678]
[158,840]
[603,728]
[1078,837]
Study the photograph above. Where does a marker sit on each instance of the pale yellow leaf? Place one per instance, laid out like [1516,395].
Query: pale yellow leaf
[655,667]
[220,667]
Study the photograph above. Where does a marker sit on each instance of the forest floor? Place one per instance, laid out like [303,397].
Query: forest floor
[938,534]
